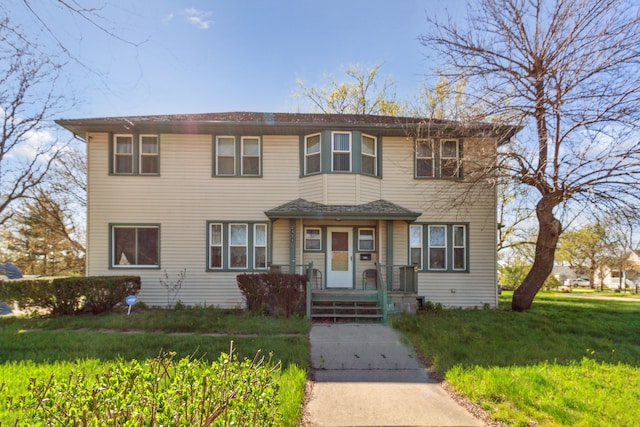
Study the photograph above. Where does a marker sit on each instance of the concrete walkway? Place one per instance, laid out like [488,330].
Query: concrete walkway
[364,375]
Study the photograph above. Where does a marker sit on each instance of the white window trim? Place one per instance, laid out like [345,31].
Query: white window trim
[255,245]
[372,239]
[116,154]
[218,138]
[113,246]
[349,151]
[374,155]
[307,155]
[420,141]
[220,245]
[463,246]
[429,246]
[456,158]
[420,246]
[246,246]
[143,154]
[243,156]
[319,239]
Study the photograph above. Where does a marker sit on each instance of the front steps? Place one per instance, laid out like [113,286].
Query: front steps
[345,306]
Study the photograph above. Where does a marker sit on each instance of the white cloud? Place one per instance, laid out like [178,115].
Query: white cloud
[198,18]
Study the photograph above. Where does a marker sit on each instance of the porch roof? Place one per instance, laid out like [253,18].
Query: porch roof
[379,209]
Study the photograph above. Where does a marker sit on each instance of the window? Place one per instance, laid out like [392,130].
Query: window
[415,245]
[459,247]
[237,246]
[341,152]
[149,155]
[312,239]
[366,240]
[135,246]
[215,246]
[424,158]
[123,154]
[369,155]
[260,246]
[225,156]
[438,158]
[312,154]
[449,162]
[439,247]
[250,156]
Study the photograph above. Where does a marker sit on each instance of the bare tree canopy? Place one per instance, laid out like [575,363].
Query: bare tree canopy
[569,71]
[29,100]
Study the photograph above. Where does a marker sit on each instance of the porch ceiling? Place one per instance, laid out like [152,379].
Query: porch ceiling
[379,209]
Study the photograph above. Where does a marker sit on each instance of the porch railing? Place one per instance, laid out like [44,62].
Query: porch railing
[306,269]
[398,278]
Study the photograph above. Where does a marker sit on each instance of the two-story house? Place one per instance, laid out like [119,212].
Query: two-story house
[362,197]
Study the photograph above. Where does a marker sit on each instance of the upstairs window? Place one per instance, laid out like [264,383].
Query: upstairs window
[123,154]
[425,161]
[341,152]
[149,155]
[237,159]
[225,156]
[135,154]
[369,155]
[250,156]
[438,158]
[312,153]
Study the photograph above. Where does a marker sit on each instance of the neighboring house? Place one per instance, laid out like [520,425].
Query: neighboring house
[227,193]
[615,277]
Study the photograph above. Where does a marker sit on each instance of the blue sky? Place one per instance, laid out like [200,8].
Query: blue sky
[232,55]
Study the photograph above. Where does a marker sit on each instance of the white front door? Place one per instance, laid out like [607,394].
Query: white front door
[340,258]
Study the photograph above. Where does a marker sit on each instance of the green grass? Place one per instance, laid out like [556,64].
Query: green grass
[37,347]
[565,362]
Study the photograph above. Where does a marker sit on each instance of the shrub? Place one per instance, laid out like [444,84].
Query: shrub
[70,295]
[273,292]
[160,391]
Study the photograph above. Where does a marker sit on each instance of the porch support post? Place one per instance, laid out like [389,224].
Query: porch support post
[389,254]
[292,245]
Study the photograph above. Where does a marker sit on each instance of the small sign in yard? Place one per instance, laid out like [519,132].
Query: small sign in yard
[130,300]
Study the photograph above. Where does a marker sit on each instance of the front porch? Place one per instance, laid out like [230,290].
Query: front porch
[383,290]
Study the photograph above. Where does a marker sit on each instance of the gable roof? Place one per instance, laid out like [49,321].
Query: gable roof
[261,123]
[379,209]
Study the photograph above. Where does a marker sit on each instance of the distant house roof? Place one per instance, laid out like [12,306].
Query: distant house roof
[379,209]
[283,124]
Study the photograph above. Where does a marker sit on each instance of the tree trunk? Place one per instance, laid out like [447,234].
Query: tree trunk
[549,229]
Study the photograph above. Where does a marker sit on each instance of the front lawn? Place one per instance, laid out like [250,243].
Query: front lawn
[37,348]
[567,361]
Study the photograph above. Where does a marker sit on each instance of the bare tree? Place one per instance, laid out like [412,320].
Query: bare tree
[29,99]
[363,93]
[569,71]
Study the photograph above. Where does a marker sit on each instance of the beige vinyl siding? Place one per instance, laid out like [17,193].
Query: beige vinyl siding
[445,201]
[185,196]
[181,200]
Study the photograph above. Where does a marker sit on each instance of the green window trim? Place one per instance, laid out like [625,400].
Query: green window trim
[118,258]
[313,235]
[140,156]
[427,249]
[325,155]
[433,158]
[238,160]
[255,247]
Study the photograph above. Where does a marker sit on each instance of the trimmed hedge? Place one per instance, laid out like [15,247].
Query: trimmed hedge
[70,295]
[274,293]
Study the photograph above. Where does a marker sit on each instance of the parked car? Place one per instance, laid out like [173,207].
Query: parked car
[579,281]
[10,271]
